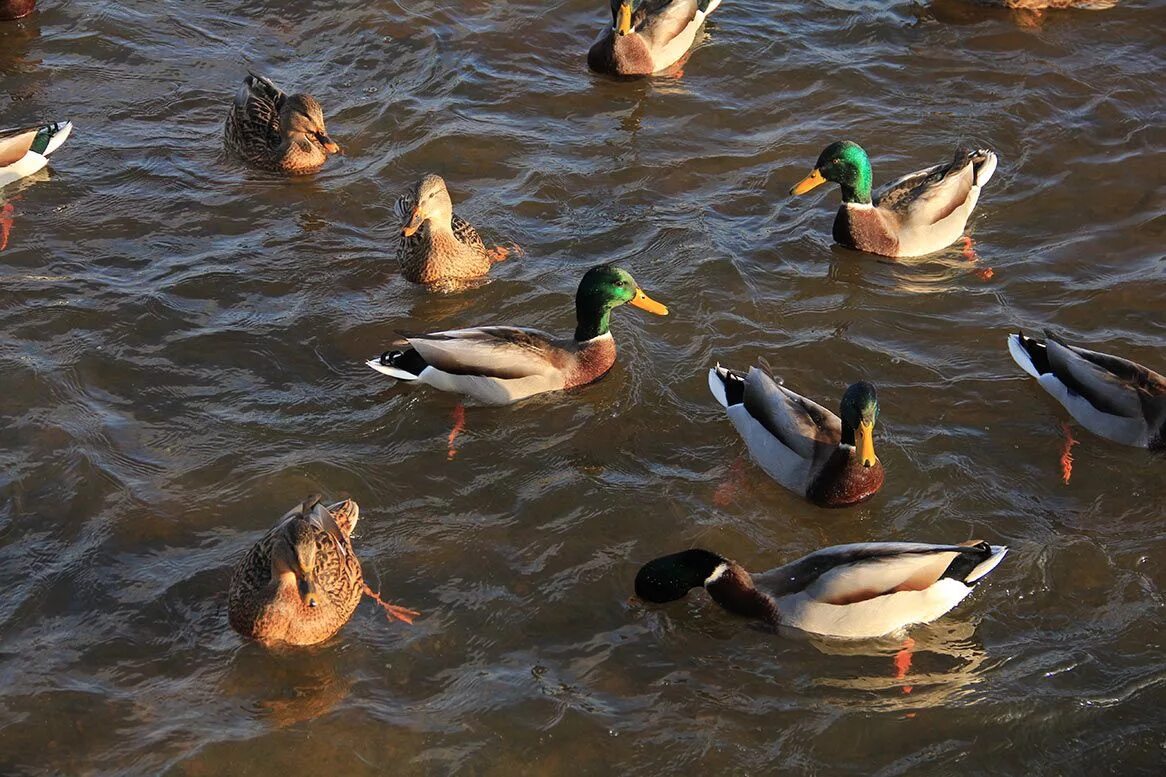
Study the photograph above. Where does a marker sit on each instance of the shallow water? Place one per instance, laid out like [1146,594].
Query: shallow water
[182,362]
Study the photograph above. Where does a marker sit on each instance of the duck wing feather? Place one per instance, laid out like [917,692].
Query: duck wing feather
[504,352]
[799,423]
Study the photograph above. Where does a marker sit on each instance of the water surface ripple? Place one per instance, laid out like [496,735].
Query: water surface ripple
[182,355]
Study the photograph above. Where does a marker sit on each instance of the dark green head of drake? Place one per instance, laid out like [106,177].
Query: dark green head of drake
[605,287]
[669,578]
[860,411]
[844,163]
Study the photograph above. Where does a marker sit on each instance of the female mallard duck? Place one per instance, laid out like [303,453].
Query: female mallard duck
[859,591]
[920,213]
[498,365]
[437,246]
[25,150]
[800,444]
[301,582]
[647,36]
[275,131]
[14,9]
[1112,397]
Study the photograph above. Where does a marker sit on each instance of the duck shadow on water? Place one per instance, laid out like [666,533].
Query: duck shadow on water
[928,666]
[285,686]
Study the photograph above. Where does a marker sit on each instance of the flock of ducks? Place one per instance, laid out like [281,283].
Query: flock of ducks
[302,581]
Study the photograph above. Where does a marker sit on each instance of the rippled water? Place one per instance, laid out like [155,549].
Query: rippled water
[182,351]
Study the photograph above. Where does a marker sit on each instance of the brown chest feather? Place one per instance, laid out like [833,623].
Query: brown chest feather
[865,229]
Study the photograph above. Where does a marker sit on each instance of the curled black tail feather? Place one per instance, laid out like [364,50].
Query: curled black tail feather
[408,360]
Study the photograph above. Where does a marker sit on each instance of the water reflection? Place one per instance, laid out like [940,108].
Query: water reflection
[932,665]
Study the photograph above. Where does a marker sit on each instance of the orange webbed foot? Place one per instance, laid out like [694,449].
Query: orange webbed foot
[1067,452]
[392,610]
[502,253]
[903,662]
[459,423]
[969,252]
[6,212]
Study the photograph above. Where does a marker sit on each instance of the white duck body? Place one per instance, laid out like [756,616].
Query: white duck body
[858,591]
[663,32]
[831,605]
[17,157]
[929,209]
[1112,397]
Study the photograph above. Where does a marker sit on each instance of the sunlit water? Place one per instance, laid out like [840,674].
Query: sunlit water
[182,362]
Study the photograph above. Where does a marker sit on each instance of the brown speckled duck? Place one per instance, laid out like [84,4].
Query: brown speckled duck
[497,365]
[14,9]
[800,444]
[437,246]
[271,130]
[301,582]
[647,36]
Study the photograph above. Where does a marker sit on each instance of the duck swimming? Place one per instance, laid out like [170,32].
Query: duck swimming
[1113,397]
[300,583]
[498,365]
[858,591]
[920,213]
[271,130]
[647,36]
[437,246]
[800,444]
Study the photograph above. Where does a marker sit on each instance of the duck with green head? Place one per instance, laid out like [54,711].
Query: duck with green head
[857,591]
[829,460]
[498,365]
[920,213]
[647,36]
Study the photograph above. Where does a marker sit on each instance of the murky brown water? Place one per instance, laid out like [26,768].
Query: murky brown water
[182,351]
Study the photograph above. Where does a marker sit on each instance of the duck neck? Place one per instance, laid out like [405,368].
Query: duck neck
[731,587]
[856,187]
[591,319]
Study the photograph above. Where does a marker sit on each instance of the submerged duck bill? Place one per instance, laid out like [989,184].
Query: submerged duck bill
[814,179]
[644,302]
[623,20]
[865,435]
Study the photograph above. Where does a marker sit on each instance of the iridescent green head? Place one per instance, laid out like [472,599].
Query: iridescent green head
[605,287]
[860,410]
[669,578]
[844,163]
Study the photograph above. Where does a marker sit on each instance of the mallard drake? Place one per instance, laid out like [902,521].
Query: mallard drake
[14,9]
[271,130]
[301,582]
[24,150]
[1110,396]
[920,213]
[437,246]
[800,444]
[859,591]
[647,36]
[498,365]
